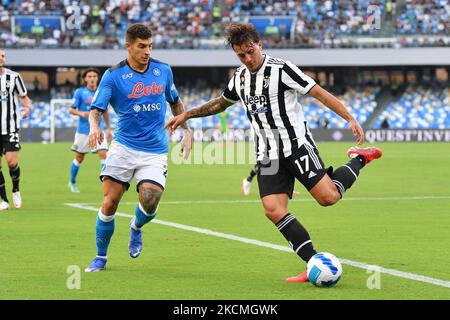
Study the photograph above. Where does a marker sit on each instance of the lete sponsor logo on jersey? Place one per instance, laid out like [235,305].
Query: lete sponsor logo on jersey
[140,90]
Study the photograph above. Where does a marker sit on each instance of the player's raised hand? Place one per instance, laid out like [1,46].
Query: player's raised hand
[175,122]
[358,132]
[95,137]
[186,143]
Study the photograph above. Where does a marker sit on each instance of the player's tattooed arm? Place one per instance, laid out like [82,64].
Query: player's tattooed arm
[178,108]
[95,116]
[95,133]
[211,107]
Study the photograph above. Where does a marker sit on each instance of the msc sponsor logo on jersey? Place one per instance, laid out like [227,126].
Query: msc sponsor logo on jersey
[147,107]
[140,90]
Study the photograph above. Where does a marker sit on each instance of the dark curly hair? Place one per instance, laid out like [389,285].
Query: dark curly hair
[239,33]
[85,72]
[138,31]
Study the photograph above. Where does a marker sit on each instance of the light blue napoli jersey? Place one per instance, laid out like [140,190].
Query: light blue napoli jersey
[139,100]
[82,99]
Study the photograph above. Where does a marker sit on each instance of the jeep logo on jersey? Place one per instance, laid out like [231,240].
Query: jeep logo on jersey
[147,107]
[140,90]
[254,100]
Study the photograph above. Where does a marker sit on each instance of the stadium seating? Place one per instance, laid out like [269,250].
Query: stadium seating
[199,24]
[419,108]
[359,100]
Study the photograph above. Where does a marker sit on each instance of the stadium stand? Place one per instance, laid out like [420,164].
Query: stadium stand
[199,24]
[419,107]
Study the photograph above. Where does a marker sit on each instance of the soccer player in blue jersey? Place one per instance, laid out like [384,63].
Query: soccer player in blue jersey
[137,88]
[81,105]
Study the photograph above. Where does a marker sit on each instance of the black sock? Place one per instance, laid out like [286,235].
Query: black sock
[253,173]
[2,187]
[15,175]
[345,176]
[297,236]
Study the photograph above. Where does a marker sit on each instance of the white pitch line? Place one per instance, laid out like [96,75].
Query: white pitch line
[292,200]
[393,272]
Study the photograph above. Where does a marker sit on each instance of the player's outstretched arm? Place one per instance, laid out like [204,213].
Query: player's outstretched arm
[334,104]
[211,107]
[95,133]
[186,141]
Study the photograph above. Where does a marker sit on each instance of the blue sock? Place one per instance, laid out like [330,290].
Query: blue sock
[75,166]
[103,233]
[142,217]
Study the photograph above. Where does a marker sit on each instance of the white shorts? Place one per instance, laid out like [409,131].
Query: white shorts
[123,164]
[81,144]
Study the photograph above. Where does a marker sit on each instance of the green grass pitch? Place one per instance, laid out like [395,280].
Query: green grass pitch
[396,216]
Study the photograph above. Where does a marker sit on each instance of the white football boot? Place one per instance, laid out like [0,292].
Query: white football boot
[4,205]
[17,199]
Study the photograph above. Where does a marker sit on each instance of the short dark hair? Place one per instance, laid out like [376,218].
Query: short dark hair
[138,31]
[239,33]
[85,72]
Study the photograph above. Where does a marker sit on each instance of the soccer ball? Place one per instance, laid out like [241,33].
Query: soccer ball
[324,269]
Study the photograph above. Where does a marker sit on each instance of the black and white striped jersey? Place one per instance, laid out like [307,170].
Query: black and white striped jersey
[11,87]
[270,97]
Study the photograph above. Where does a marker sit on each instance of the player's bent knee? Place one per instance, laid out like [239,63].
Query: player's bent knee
[274,214]
[12,164]
[79,157]
[150,199]
[110,205]
[329,199]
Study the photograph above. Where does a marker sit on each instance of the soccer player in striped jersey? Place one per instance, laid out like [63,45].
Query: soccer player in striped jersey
[81,106]
[268,89]
[12,90]
[138,89]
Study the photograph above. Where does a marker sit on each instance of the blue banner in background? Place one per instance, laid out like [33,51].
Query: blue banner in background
[25,24]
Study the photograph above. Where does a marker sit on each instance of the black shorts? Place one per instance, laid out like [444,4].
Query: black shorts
[9,142]
[278,176]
